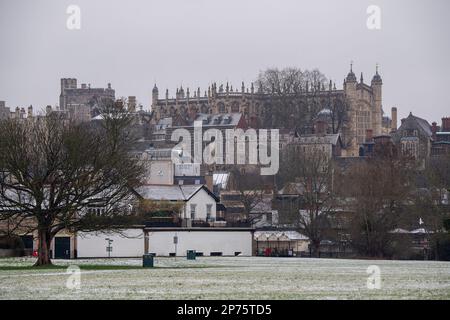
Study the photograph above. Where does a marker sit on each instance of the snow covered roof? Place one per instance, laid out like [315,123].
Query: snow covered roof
[419,231]
[415,231]
[399,230]
[288,235]
[292,188]
[221,179]
[264,205]
[170,192]
[317,139]
[224,119]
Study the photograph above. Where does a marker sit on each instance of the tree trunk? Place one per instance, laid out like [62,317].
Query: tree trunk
[315,249]
[44,247]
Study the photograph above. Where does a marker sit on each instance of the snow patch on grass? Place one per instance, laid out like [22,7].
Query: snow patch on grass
[229,278]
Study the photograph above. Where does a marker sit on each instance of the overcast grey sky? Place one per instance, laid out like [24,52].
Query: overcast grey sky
[134,43]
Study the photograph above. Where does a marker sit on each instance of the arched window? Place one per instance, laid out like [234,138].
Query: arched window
[235,107]
[221,107]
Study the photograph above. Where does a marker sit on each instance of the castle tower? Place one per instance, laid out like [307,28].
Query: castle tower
[132,104]
[154,105]
[350,94]
[30,112]
[350,83]
[155,95]
[66,83]
[376,85]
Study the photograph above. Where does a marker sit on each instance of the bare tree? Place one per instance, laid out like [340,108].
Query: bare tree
[338,115]
[294,96]
[52,169]
[251,190]
[378,191]
[298,98]
[311,170]
[431,202]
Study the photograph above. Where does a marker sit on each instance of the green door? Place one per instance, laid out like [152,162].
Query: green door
[62,248]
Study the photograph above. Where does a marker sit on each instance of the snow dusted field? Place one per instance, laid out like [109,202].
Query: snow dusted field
[230,278]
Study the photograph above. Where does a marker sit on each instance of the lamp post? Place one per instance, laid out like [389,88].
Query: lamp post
[175,242]
[425,241]
[109,247]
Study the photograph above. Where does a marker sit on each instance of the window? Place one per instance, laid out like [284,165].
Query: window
[208,212]
[235,107]
[193,206]
[363,122]
[97,211]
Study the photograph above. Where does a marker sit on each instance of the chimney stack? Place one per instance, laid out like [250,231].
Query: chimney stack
[209,181]
[393,119]
[434,129]
[445,124]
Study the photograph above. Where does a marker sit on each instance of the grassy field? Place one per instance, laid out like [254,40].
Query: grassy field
[226,278]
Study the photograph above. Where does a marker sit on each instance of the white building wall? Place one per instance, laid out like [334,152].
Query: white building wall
[227,242]
[187,169]
[93,245]
[201,199]
[160,172]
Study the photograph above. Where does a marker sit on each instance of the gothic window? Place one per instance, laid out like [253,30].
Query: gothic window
[363,122]
[204,108]
[411,148]
[221,107]
[235,107]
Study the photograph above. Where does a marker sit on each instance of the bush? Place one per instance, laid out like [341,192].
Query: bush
[400,248]
[447,224]
[11,242]
[441,246]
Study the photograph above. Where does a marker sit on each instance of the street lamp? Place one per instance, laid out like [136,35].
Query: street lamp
[109,247]
[175,242]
